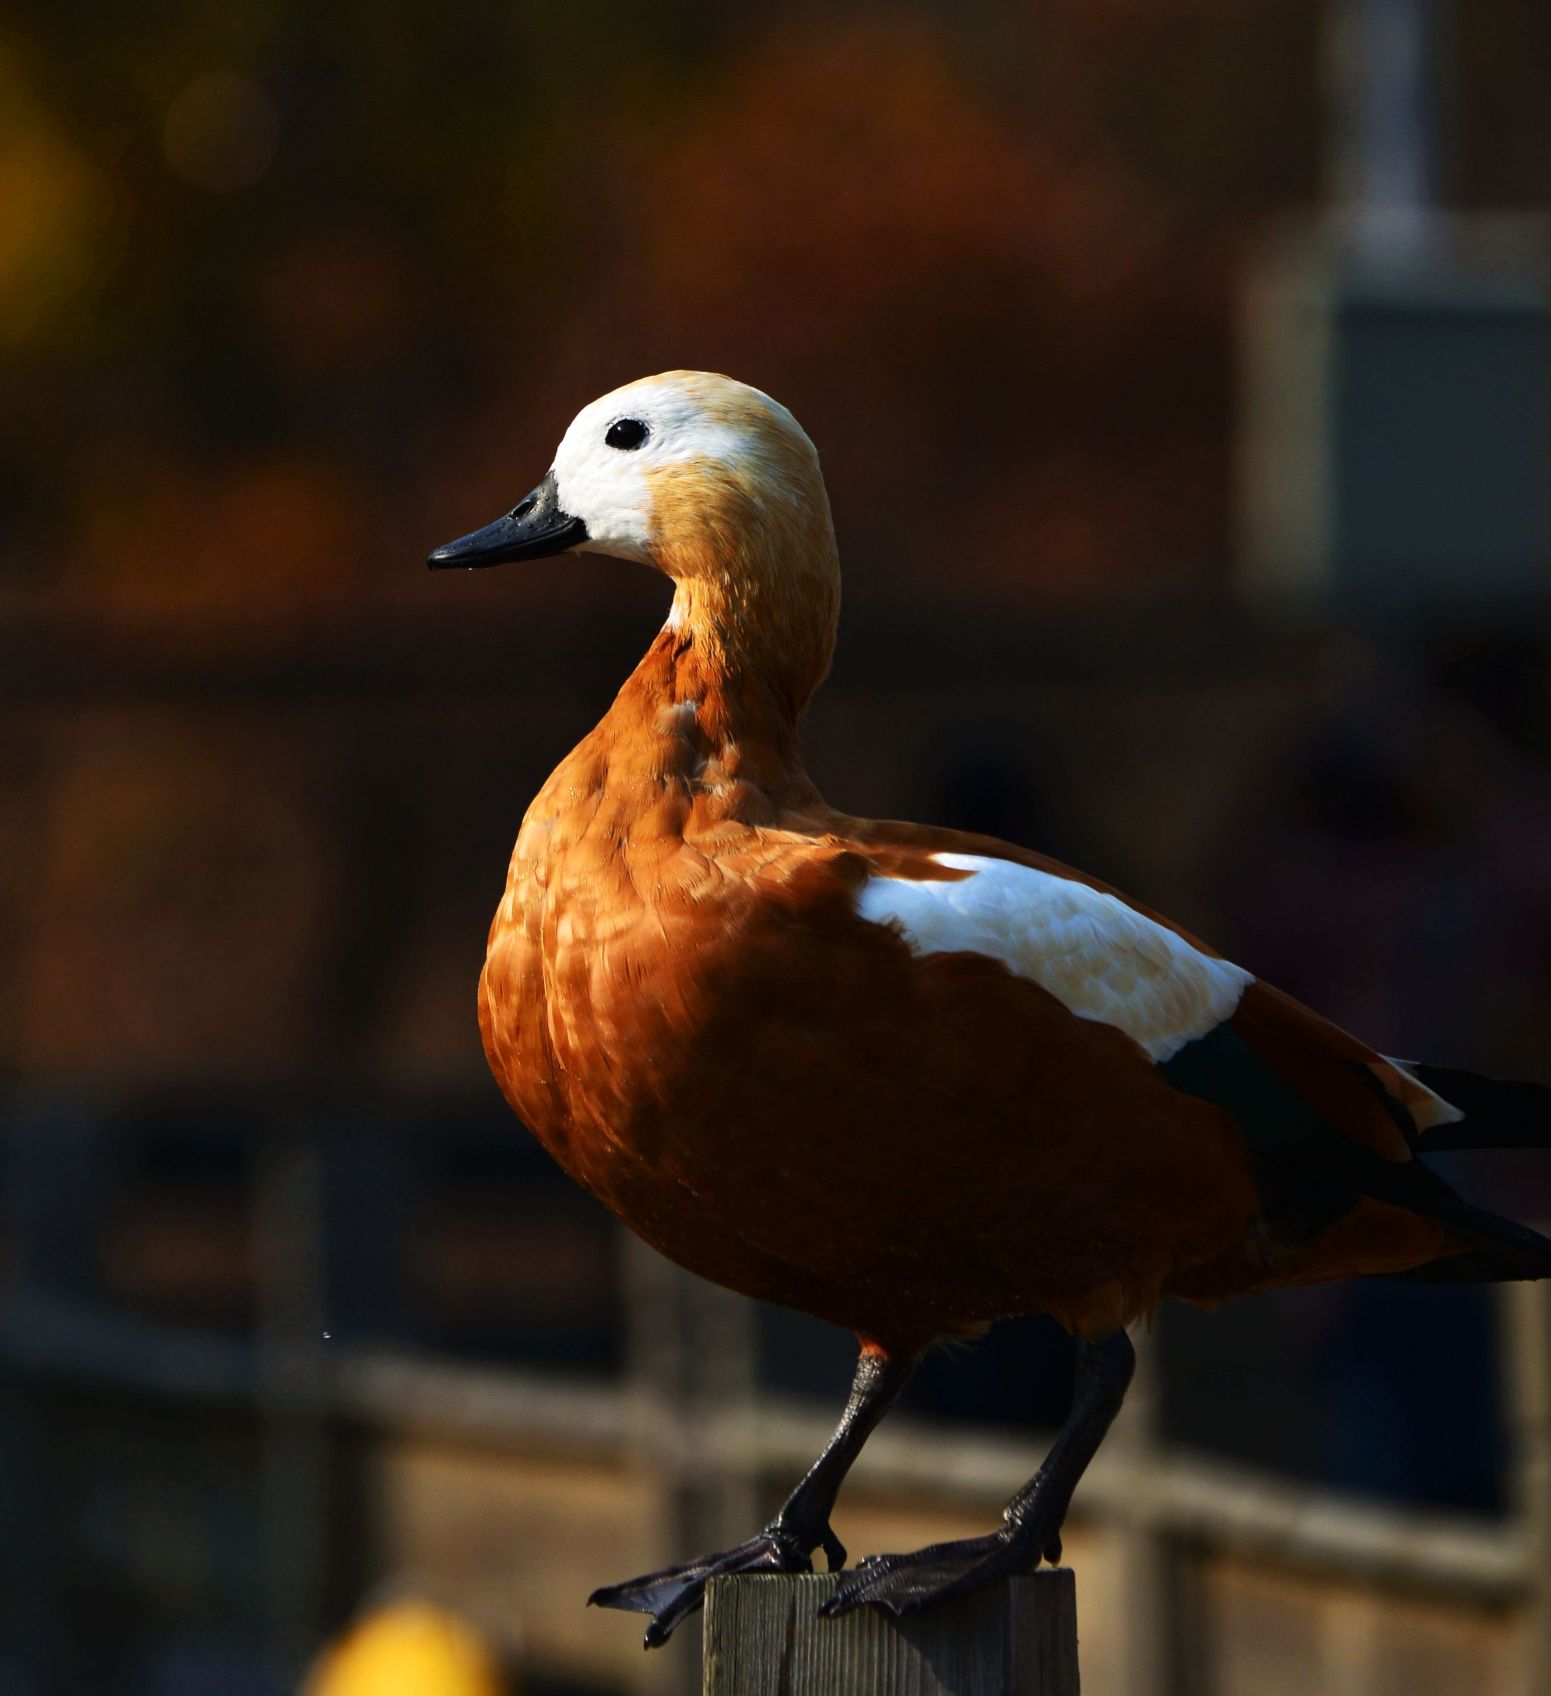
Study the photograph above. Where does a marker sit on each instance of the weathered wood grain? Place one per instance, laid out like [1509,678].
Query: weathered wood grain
[763,1637]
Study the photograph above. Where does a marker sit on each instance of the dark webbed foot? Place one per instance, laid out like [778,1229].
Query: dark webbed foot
[905,1584]
[671,1595]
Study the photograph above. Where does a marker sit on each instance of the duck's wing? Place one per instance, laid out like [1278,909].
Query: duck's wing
[1105,957]
[1328,1120]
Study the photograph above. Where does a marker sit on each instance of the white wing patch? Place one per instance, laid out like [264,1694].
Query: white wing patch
[1100,958]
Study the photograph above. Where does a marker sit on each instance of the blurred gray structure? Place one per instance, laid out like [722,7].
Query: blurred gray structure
[1396,361]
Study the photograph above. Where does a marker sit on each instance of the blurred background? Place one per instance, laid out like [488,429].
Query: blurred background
[1222,331]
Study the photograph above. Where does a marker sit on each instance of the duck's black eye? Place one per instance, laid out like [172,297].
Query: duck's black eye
[625,433]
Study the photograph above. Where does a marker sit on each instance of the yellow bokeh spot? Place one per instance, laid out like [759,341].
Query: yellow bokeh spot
[407,1649]
[50,209]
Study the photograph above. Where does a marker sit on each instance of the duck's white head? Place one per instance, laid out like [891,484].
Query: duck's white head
[660,471]
[715,484]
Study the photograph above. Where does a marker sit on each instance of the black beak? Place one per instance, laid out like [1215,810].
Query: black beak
[536,526]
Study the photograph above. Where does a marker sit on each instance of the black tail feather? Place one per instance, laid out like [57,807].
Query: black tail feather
[1498,1114]
[1503,1242]
[1500,1249]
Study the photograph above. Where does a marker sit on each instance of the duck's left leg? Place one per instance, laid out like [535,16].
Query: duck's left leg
[1031,1529]
[802,1525]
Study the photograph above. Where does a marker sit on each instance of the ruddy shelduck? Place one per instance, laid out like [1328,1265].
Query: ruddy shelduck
[909,1080]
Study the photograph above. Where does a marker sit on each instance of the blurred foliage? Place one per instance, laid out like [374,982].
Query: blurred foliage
[292,291]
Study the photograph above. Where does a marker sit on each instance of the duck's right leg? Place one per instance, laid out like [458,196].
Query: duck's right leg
[802,1525]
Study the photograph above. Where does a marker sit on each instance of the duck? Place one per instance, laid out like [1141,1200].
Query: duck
[906,1079]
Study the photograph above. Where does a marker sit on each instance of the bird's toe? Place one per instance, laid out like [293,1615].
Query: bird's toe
[673,1593]
[908,1583]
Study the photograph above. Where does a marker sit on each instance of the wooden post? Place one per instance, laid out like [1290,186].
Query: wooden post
[763,1637]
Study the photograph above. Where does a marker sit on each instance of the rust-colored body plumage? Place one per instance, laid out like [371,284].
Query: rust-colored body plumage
[683,1005]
